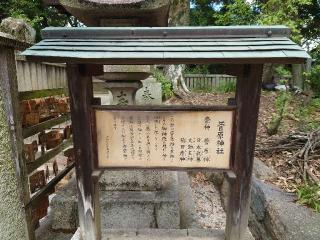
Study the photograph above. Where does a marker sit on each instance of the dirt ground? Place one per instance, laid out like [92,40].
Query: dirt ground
[288,175]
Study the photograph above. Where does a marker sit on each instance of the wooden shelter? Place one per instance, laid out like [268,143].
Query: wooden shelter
[245,50]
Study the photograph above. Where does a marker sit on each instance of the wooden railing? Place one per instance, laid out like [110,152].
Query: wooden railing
[37,80]
[207,81]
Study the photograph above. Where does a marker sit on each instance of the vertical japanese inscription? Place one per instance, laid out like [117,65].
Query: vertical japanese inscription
[164,139]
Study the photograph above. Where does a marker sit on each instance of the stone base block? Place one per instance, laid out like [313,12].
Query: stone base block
[134,180]
[123,209]
[163,234]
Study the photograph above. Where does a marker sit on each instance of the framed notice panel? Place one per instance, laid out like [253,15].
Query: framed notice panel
[164,137]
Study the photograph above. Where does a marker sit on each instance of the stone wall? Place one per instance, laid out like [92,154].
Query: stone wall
[13,223]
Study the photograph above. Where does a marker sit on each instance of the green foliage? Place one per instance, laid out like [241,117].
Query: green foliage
[34,12]
[281,109]
[309,14]
[315,54]
[197,69]
[166,84]
[203,12]
[282,71]
[227,87]
[301,16]
[240,12]
[309,194]
[313,79]
[203,88]
[284,12]
[305,115]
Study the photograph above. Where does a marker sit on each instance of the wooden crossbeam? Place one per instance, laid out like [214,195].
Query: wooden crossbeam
[27,132]
[49,155]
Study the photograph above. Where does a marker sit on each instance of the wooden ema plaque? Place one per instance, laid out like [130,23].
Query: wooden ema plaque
[164,139]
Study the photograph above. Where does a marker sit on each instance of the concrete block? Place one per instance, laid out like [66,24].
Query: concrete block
[64,208]
[122,215]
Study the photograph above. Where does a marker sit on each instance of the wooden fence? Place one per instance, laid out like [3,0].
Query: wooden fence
[34,76]
[207,81]
[41,86]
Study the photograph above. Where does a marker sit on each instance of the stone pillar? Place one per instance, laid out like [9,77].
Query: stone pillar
[14,190]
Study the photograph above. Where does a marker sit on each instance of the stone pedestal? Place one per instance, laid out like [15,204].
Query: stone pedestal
[124,208]
[148,197]
[123,92]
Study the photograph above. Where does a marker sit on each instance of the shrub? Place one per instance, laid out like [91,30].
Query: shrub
[281,107]
[282,72]
[227,87]
[166,84]
[313,79]
[309,194]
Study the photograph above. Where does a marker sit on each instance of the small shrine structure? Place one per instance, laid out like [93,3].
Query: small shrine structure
[243,48]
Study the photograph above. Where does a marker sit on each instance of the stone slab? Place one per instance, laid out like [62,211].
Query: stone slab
[149,209]
[167,234]
[276,215]
[133,180]
[188,214]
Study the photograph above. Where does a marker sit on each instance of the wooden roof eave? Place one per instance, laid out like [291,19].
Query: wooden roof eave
[177,45]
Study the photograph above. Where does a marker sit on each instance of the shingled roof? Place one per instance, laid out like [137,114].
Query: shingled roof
[239,44]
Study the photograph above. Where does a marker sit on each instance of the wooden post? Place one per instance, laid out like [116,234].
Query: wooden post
[81,97]
[14,188]
[249,78]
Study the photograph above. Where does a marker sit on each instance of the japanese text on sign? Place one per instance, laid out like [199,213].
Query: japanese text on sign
[151,139]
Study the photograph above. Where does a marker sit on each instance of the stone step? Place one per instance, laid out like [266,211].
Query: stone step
[163,234]
[149,209]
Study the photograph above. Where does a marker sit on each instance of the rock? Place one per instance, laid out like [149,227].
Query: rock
[18,28]
[275,215]
[262,171]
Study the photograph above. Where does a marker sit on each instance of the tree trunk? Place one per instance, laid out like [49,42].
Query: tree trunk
[174,73]
[178,16]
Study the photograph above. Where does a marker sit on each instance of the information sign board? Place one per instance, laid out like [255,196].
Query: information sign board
[164,139]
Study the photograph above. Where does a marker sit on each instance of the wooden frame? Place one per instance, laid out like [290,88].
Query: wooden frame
[80,87]
[248,71]
[164,108]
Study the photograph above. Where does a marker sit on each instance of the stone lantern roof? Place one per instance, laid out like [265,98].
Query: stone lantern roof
[150,13]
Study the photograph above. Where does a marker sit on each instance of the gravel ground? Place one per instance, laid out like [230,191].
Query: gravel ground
[208,202]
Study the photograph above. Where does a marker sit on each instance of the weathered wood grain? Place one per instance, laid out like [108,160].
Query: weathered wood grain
[42,93]
[247,98]
[48,188]
[81,97]
[49,155]
[27,132]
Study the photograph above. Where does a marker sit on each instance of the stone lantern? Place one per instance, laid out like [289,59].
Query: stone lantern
[151,195]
